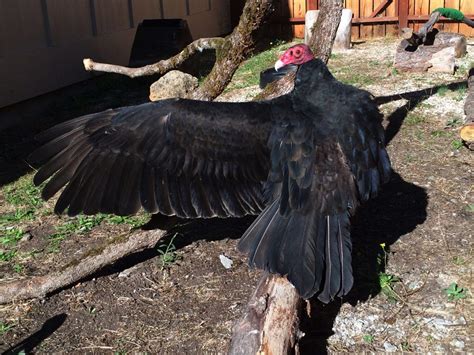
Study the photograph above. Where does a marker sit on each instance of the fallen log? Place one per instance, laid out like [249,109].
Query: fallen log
[270,321]
[467,131]
[41,286]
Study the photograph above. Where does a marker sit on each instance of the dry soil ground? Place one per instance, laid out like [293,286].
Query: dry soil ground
[412,253]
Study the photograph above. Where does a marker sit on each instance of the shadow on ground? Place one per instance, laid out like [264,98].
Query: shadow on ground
[27,345]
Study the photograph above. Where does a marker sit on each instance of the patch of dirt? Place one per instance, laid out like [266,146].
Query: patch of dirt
[422,218]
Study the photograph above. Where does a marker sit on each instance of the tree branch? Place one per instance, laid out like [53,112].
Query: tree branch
[160,67]
[40,286]
[325,29]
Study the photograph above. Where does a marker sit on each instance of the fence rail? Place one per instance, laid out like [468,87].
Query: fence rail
[377,18]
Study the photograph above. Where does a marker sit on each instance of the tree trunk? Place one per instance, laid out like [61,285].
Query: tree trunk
[325,28]
[234,50]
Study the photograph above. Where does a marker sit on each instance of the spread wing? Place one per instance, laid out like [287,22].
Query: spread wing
[321,169]
[177,157]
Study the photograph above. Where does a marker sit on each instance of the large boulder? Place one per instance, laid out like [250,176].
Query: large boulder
[173,84]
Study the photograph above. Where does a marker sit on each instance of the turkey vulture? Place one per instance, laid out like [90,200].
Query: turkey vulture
[303,162]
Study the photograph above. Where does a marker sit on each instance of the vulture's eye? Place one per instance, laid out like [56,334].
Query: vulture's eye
[298,52]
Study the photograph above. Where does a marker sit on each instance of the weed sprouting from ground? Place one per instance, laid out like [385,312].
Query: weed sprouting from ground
[455,292]
[368,338]
[168,254]
[457,144]
[4,328]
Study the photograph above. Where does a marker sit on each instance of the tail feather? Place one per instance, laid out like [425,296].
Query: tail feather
[313,251]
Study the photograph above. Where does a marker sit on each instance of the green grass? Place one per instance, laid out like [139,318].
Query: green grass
[356,78]
[133,221]
[10,236]
[84,224]
[23,193]
[8,255]
[248,73]
[442,90]
[76,225]
[414,118]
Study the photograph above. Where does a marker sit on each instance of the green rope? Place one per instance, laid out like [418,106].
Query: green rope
[453,14]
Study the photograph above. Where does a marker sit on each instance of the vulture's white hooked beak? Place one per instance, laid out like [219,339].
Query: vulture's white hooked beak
[279,64]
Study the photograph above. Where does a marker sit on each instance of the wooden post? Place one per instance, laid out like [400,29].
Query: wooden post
[403,6]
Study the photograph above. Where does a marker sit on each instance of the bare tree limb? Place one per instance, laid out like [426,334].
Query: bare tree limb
[40,286]
[160,67]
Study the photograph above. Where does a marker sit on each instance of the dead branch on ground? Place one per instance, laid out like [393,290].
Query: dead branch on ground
[40,286]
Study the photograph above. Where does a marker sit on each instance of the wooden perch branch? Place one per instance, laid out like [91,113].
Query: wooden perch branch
[40,286]
[270,322]
[160,67]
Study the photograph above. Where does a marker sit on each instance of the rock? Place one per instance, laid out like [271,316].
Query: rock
[26,237]
[389,347]
[173,84]
[443,61]
[343,34]
[437,56]
[457,344]
[226,261]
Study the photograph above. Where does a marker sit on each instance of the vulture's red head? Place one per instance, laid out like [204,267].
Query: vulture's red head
[297,55]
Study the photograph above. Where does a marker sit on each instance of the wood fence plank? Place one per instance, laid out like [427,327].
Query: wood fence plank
[292,14]
[354,6]
[451,27]
[391,30]
[299,10]
[467,7]
[434,4]
[379,30]
[366,8]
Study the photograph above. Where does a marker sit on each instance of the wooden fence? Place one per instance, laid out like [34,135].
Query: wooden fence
[377,18]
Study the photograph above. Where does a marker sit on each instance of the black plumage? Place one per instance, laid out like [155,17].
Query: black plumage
[302,162]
